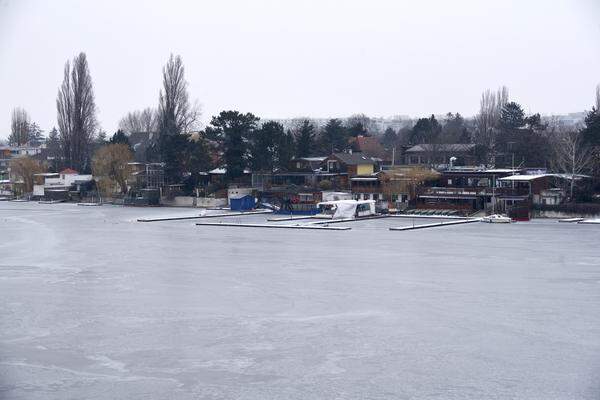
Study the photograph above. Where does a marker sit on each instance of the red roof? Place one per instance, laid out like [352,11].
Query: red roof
[69,171]
[371,146]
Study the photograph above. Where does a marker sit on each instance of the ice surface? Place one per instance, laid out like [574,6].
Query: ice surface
[94,305]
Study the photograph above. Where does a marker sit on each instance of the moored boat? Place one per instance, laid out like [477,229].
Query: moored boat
[342,209]
[496,219]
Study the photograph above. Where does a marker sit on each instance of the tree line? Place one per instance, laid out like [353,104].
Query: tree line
[501,130]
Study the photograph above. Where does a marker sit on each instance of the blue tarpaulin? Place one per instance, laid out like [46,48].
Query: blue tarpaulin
[244,203]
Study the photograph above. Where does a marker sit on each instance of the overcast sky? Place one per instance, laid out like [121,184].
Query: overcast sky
[317,58]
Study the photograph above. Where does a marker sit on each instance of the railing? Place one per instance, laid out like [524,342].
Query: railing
[506,191]
[453,191]
[366,189]
[474,191]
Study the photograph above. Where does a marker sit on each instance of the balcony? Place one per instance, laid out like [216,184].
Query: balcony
[512,192]
[456,192]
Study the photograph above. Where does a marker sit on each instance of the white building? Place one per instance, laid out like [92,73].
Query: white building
[58,181]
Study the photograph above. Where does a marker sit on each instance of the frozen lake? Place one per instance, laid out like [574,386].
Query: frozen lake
[94,305]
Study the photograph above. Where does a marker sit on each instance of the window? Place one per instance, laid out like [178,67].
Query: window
[375,196]
[305,197]
[362,207]
[449,182]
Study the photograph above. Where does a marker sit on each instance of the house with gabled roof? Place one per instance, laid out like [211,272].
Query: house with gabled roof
[351,164]
[436,153]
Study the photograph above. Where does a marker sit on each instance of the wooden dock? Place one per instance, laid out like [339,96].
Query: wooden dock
[275,226]
[434,225]
[184,217]
[292,218]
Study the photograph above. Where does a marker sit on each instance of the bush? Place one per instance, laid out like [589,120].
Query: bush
[325,185]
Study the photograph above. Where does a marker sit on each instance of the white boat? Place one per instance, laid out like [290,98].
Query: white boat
[346,209]
[496,219]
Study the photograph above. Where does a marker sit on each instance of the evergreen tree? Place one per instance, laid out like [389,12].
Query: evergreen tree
[120,137]
[232,130]
[305,139]
[183,158]
[285,150]
[101,138]
[334,136]
[53,147]
[389,138]
[512,117]
[99,142]
[454,130]
[263,147]
[426,130]
[36,134]
[521,138]
[591,132]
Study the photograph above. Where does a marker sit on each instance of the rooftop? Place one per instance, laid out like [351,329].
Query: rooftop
[458,147]
[527,178]
[311,159]
[354,158]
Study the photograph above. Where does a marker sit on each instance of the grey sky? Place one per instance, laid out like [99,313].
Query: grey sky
[303,58]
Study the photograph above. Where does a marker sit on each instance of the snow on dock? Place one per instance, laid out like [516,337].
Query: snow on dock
[337,221]
[590,221]
[291,218]
[275,226]
[434,225]
[201,216]
[434,216]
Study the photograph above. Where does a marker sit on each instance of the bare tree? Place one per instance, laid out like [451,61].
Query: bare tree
[23,169]
[139,121]
[487,120]
[361,124]
[76,112]
[19,127]
[571,156]
[111,166]
[416,177]
[175,114]
[148,120]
